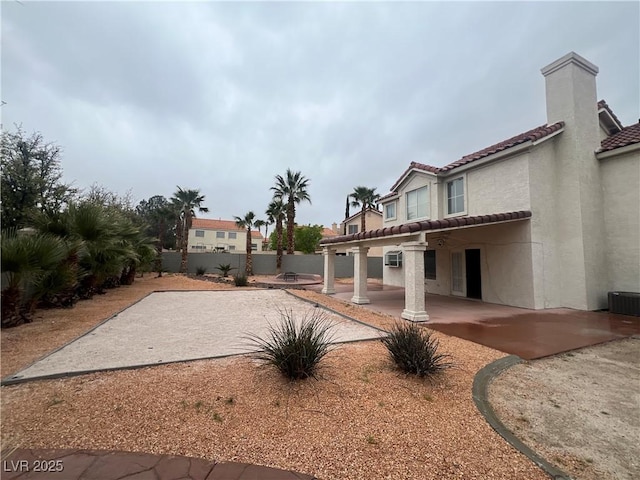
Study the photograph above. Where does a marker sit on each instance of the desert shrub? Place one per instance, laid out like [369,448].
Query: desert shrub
[294,347]
[224,268]
[201,270]
[414,351]
[240,280]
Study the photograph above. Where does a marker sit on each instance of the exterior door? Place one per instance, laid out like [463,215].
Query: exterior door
[474,278]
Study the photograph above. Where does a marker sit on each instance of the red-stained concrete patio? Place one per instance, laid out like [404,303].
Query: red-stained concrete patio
[527,333]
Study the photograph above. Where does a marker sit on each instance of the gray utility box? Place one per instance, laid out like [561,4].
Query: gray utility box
[624,303]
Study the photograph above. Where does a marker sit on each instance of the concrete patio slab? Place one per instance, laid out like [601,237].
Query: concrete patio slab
[526,333]
[175,326]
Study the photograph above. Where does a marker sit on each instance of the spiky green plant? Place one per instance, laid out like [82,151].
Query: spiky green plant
[224,268]
[295,347]
[414,351]
[240,280]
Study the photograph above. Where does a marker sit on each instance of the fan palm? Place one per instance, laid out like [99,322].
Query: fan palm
[27,259]
[291,189]
[248,222]
[186,203]
[367,198]
[275,214]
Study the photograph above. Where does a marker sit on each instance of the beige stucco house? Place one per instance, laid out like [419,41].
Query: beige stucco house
[548,218]
[208,235]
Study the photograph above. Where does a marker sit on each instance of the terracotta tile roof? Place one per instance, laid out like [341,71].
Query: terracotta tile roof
[357,214]
[328,232]
[530,135]
[427,225]
[226,225]
[626,136]
[603,104]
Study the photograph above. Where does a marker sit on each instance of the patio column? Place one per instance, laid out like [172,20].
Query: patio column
[413,264]
[329,256]
[360,275]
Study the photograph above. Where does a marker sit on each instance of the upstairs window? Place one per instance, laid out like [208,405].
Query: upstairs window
[353,229]
[233,235]
[199,233]
[390,211]
[455,196]
[418,203]
[219,234]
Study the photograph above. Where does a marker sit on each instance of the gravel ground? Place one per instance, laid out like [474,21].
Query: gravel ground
[361,419]
[579,410]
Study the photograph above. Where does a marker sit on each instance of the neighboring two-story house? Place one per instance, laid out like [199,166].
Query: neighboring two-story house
[208,235]
[548,218]
[353,224]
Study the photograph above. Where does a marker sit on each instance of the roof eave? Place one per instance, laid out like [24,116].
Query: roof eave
[618,151]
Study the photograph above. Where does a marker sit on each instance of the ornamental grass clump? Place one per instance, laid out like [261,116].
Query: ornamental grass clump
[295,347]
[414,351]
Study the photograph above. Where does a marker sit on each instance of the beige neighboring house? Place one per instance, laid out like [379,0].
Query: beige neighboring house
[548,218]
[221,236]
[353,224]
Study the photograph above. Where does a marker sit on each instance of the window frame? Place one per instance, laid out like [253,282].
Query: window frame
[427,213]
[349,227]
[388,218]
[199,233]
[463,178]
[233,235]
[220,235]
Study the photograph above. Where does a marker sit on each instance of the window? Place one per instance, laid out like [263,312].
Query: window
[353,229]
[455,196]
[232,247]
[430,264]
[418,203]
[233,235]
[393,258]
[254,247]
[199,233]
[390,211]
[199,247]
[219,234]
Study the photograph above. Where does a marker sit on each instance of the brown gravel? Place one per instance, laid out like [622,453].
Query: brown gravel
[362,419]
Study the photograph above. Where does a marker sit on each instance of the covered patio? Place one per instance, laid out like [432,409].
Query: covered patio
[529,334]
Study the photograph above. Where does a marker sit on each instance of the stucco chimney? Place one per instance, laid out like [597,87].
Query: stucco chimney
[571,98]
[334,227]
[571,91]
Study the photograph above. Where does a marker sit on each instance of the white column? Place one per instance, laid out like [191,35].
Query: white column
[329,270]
[360,275]
[413,265]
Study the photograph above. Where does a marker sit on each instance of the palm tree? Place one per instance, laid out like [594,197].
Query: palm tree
[248,222]
[367,198]
[291,189]
[186,203]
[259,224]
[275,214]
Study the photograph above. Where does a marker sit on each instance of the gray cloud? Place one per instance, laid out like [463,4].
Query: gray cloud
[224,96]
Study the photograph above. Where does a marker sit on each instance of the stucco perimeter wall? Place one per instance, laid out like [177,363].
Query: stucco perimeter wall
[505,260]
[498,187]
[620,176]
[264,264]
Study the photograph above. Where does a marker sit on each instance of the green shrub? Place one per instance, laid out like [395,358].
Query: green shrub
[201,270]
[295,348]
[225,268]
[240,280]
[414,351]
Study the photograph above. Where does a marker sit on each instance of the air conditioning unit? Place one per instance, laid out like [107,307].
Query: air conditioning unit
[393,258]
[624,303]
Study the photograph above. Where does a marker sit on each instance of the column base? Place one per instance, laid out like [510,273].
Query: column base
[328,291]
[360,300]
[415,316]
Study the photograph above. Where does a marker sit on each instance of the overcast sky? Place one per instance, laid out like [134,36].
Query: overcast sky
[221,97]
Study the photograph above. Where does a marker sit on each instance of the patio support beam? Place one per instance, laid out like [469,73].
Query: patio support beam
[414,294]
[360,275]
[329,257]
